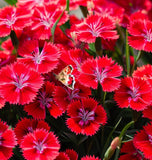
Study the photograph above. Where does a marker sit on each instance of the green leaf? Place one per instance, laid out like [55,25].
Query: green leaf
[54,26]
[90,52]
[92,47]
[127,55]
[11,2]
[67,5]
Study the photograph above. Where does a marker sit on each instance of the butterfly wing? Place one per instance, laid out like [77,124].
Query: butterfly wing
[66,77]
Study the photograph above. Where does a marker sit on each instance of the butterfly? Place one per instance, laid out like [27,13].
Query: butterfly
[66,77]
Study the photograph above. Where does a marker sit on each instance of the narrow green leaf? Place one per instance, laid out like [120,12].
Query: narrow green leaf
[92,47]
[110,135]
[127,55]
[125,129]
[11,2]
[67,5]
[136,59]
[121,137]
[90,52]
[54,26]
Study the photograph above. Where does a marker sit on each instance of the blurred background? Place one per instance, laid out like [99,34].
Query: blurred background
[2,3]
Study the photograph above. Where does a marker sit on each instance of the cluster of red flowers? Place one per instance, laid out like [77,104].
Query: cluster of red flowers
[55,63]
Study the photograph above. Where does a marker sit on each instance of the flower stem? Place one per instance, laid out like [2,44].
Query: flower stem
[104,97]
[121,137]
[127,55]
[136,60]
[110,151]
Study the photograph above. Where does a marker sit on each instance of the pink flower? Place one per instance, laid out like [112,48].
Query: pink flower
[85,116]
[96,26]
[134,93]
[25,126]
[41,61]
[12,18]
[41,145]
[19,84]
[102,70]
[141,35]
[7,141]
[44,100]
[44,18]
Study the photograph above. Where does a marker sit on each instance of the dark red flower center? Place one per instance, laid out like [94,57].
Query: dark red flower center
[134,94]
[44,99]
[72,94]
[85,116]
[30,129]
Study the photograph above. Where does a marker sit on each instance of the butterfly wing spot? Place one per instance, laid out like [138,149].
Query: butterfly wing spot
[68,69]
[71,82]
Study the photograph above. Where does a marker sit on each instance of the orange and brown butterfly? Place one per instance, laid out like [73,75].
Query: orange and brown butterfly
[66,77]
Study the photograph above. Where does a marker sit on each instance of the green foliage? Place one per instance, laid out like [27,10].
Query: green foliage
[11,2]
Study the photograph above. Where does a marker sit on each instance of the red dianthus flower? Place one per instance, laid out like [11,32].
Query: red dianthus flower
[26,126]
[134,93]
[44,100]
[141,35]
[62,156]
[41,61]
[44,18]
[102,70]
[12,18]
[148,112]
[132,153]
[19,84]
[85,116]
[96,26]
[69,154]
[7,141]
[144,72]
[143,141]
[64,96]
[41,145]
